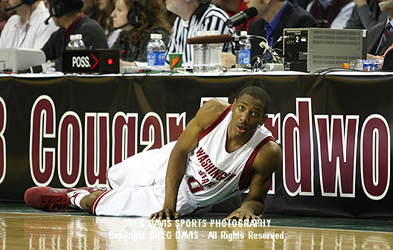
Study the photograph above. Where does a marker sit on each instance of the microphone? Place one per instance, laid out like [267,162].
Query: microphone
[47,20]
[241,17]
[385,4]
[122,26]
[226,38]
[12,8]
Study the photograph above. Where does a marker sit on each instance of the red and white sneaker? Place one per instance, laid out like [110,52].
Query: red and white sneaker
[55,199]
[47,198]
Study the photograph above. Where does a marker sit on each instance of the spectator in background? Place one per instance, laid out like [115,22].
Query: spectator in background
[106,8]
[194,16]
[67,14]
[4,15]
[365,15]
[233,7]
[27,28]
[331,13]
[90,8]
[132,42]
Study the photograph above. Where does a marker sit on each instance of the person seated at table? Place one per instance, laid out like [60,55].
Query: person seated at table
[138,20]
[26,29]
[90,8]
[274,16]
[67,14]
[194,16]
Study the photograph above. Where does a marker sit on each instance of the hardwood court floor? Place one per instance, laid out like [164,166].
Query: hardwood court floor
[25,228]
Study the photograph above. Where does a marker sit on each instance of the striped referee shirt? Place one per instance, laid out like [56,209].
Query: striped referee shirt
[206,17]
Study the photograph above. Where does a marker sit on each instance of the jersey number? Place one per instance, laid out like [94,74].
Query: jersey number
[194,185]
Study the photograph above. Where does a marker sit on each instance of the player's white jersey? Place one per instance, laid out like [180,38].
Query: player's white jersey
[213,174]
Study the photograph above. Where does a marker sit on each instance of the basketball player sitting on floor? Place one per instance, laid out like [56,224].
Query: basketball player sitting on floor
[222,152]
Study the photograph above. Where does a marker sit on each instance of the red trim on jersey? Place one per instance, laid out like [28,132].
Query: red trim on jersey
[251,159]
[215,123]
[95,203]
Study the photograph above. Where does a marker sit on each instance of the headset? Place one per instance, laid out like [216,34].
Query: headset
[133,15]
[27,2]
[59,7]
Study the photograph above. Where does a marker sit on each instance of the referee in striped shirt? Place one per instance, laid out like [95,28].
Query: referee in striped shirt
[193,16]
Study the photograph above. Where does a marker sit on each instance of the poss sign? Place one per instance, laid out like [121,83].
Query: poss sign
[91,61]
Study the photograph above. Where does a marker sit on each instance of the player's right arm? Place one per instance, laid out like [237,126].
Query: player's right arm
[177,164]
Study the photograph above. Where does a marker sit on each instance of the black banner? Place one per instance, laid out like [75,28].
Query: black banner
[334,132]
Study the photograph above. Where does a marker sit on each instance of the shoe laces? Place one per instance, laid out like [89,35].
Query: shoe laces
[57,203]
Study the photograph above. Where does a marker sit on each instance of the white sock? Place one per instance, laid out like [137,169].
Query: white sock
[76,197]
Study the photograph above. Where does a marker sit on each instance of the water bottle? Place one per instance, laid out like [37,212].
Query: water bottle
[215,56]
[153,49]
[197,58]
[70,45]
[219,56]
[245,51]
[161,52]
[205,62]
[76,42]
[213,60]
[365,65]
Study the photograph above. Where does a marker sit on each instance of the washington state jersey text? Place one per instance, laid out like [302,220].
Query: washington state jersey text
[210,169]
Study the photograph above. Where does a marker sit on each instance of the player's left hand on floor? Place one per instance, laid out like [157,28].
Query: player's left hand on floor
[165,214]
[242,215]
